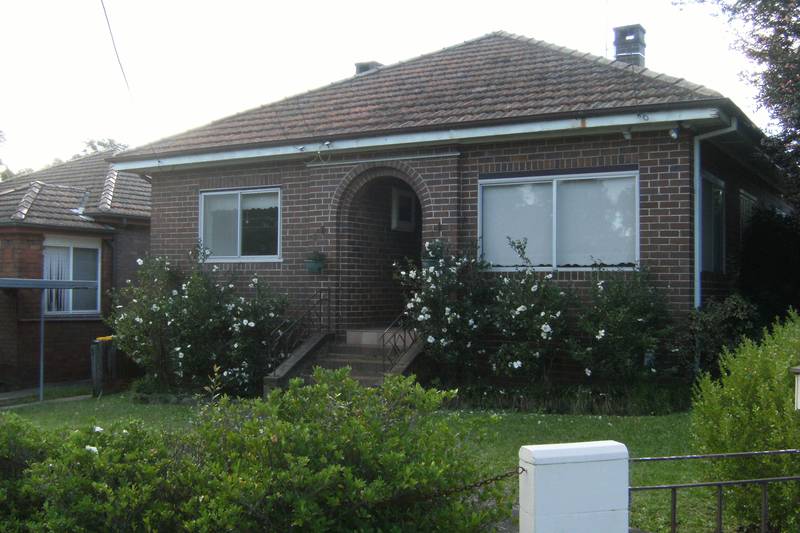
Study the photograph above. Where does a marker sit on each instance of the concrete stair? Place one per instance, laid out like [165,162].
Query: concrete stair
[361,351]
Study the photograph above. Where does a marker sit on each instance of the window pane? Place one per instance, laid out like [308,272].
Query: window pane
[84,268]
[517,211]
[56,266]
[596,222]
[260,224]
[713,227]
[220,233]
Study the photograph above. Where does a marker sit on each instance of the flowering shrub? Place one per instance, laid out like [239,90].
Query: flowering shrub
[622,328]
[447,302]
[178,327]
[529,314]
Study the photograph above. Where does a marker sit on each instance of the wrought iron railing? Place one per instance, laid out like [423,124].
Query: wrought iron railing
[316,317]
[719,485]
[396,340]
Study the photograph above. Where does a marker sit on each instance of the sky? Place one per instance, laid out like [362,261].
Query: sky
[191,62]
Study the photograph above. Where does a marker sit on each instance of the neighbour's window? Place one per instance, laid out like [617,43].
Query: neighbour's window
[713,221]
[403,210]
[241,225]
[72,263]
[569,221]
[747,204]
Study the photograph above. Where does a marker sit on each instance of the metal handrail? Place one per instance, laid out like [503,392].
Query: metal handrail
[396,341]
[674,487]
[291,332]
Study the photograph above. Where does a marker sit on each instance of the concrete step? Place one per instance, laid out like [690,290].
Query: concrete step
[354,350]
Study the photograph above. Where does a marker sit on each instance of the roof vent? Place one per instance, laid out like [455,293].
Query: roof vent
[367,66]
[629,42]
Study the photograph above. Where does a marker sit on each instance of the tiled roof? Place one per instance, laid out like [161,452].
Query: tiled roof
[493,79]
[72,194]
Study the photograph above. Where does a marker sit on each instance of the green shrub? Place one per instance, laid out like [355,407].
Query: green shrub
[333,456]
[336,456]
[751,407]
[21,445]
[721,325]
[121,478]
[180,326]
[622,329]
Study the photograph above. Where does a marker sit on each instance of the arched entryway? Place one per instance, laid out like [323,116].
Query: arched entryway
[381,223]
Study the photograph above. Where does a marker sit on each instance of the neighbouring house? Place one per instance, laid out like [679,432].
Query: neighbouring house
[592,160]
[79,220]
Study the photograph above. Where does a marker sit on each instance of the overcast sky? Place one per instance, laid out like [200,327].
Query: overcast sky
[190,62]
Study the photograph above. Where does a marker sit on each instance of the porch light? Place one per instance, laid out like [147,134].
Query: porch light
[796,371]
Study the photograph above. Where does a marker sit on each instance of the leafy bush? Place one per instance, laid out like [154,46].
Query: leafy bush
[21,445]
[622,328]
[721,325]
[122,478]
[529,314]
[448,303]
[338,457]
[333,456]
[751,407]
[178,327]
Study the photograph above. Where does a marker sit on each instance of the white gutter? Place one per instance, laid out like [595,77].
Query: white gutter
[626,120]
[698,205]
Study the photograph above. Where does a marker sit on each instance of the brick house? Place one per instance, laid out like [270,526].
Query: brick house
[591,159]
[79,220]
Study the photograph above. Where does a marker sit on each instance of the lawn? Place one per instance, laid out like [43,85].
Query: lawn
[496,444]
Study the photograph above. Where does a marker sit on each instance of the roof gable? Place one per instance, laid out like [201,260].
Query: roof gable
[495,78]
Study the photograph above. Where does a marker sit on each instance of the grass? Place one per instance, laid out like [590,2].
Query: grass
[497,442]
[51,393]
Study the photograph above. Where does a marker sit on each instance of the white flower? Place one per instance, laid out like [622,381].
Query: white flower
[140,263]
[412,274]
[230,285]
[124,431]
[600,334]
[431,339]
[515,364]
[587,372]
[653,370]
[403,273]
[154,307]
[272,315]
[521,309]
[251,324]
[90,449]
[174,292]
[600,285]
[535,287]
[255,280]
[138,320]
[410,305]
[180,355]
[549,276]
[471,322]
[98,429]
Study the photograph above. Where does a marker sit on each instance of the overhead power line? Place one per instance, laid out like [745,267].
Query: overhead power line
[114,44]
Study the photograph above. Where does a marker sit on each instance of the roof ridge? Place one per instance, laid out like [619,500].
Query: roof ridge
[622,65]
[327,86]
[26,202]
[107,195]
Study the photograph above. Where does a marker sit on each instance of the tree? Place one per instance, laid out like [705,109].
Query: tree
[772,42]
[99,145]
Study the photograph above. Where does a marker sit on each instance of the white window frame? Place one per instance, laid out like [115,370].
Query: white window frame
[58,241]
[403,225]
[242,258]
[555,179]
[717,182]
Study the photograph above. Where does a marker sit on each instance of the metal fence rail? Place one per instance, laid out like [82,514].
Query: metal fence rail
[719,485]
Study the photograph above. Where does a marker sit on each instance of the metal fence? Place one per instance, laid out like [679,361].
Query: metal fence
[719,485]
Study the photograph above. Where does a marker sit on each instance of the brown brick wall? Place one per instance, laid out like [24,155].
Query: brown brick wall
[316,199]
[67,339]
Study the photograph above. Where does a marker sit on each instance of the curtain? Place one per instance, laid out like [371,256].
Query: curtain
[56,266]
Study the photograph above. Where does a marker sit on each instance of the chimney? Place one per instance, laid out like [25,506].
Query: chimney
[366,66]
[629,42]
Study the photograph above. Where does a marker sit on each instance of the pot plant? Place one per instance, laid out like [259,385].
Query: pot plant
[315,262]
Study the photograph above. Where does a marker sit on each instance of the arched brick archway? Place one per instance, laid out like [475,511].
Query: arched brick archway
[367,245]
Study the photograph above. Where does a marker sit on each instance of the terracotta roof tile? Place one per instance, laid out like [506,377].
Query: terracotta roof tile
[498,77]
[68,194]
